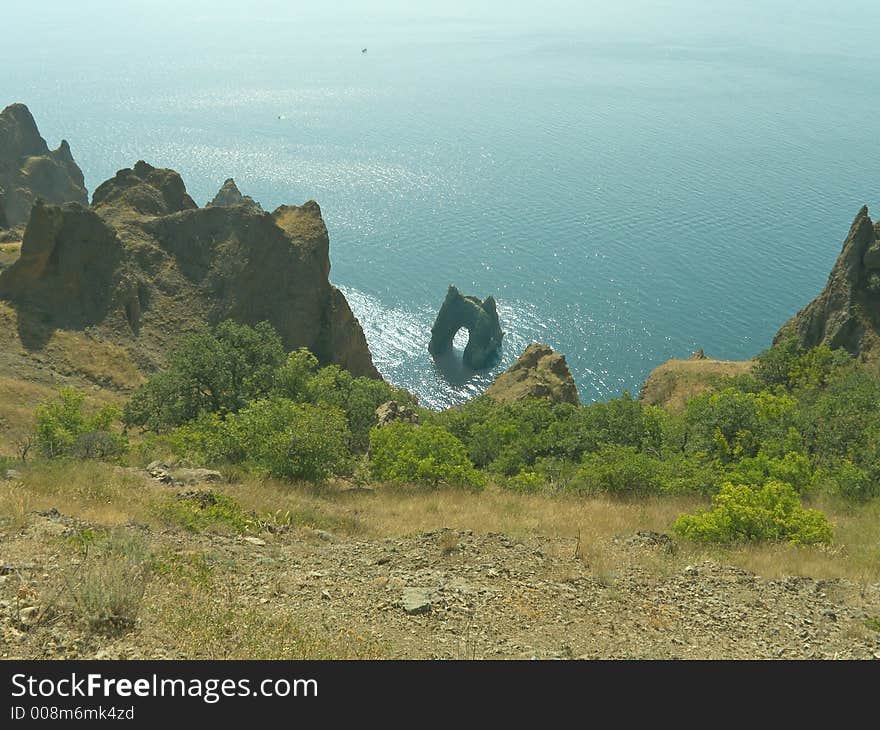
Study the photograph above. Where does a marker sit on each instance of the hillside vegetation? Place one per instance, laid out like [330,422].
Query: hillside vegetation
[314,528]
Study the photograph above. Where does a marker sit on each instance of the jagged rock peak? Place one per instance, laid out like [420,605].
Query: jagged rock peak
[229,194]
[145,190]
[538,373]
[30,170]
[847,312]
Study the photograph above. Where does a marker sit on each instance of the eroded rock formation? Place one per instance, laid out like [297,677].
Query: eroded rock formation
[145,264]
[392,411]
[229,195]
[847,312]
[480,318]
[538,373]
[30,170]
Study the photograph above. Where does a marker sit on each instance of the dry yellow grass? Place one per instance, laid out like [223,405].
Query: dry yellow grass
[594,521]
[109,496]
[93,491]
[18,399]
[98,362]
[300,223]
[217,622]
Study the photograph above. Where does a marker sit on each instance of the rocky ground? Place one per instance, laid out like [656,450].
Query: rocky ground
[459,595]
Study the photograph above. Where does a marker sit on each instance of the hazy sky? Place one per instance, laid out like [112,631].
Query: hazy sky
[49,26]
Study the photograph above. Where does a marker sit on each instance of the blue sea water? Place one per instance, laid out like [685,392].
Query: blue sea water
[630,179]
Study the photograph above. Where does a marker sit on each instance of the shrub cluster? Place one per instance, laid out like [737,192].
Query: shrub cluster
[803,421]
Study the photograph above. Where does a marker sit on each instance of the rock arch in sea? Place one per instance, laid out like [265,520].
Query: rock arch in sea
[479,318]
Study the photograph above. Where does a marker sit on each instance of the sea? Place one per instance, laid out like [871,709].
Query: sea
[630,179]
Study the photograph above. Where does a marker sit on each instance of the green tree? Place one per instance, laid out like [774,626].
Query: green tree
[216,371]
[426,454]
[358,398]
[729,425]
[773,366]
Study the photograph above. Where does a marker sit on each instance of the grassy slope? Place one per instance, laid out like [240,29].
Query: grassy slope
[28,376]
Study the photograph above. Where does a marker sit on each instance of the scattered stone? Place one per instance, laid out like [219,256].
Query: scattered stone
[196,476]
[649,538]
[160,472]
[183,475]
[417,600]
[29,615]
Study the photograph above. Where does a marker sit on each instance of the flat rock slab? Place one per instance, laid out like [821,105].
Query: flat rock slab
[417,600]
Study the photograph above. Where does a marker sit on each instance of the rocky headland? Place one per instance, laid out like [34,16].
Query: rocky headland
[143,264]
[30,170]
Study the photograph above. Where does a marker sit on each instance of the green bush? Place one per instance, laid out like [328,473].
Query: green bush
[851,482]
[526,481]
[280,438]
[837,420]
[773,366]
[203,511]
[690,475]
[206,439]
[425,454]
[623,421]
[729,425]
[793,468]
[618,470]
[357,398]
[106,588]
[292,377]
[63,429]
[742,513]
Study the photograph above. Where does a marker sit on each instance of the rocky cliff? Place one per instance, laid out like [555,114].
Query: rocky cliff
[538,373]
[847,312]
[30,170]
[145,263]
